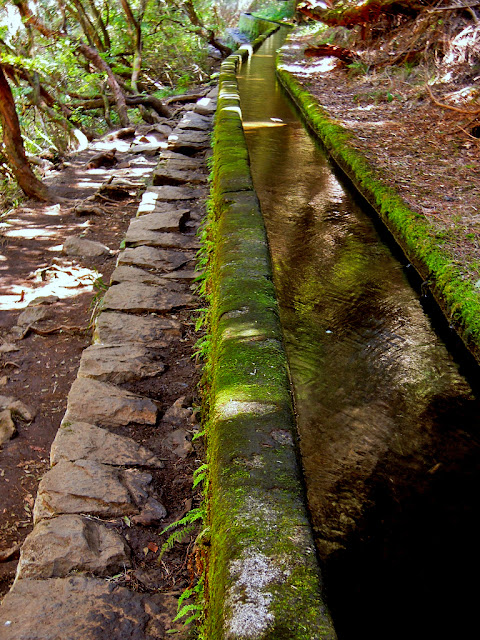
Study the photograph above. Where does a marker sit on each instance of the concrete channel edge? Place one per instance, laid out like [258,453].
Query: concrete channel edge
[458,298]
[263,579]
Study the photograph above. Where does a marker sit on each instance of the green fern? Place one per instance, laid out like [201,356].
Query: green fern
[183,527]
[199,475]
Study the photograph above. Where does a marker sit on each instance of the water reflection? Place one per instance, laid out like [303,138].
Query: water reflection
[388,426]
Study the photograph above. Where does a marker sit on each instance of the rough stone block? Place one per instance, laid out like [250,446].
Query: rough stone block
[195,121]
[180,160]
[81,608]
[74,246]
[112,328]
[206,106]
[165,221]
[71,543]
[177,176]
[120,363]
[140,298]
[134,274]
[153,258]
[107,405]
[188,141]
[138,237]
[83,441]
[176,193]
[84,486]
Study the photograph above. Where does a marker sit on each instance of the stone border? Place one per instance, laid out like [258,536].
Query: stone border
[459,299]
[263,579]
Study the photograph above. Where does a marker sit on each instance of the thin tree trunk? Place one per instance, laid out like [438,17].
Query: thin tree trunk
[13,145]
[100,24]
[135,28]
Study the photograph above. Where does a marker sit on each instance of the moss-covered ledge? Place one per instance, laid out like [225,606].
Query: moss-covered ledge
[263,580]
[458,297]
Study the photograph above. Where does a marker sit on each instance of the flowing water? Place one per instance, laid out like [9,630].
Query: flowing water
[388,424]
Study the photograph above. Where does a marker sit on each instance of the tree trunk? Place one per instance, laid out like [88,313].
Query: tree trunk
[92,54]
[135,28]
[13,145]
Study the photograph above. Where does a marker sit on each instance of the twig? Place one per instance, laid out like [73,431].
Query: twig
[47,332]
[447,106]
[469,134]
[454,7]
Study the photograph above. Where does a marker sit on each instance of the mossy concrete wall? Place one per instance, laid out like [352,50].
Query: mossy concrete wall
[263,580]
[458,297]
[254,27]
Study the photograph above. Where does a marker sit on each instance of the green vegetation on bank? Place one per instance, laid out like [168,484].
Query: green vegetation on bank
[457,296]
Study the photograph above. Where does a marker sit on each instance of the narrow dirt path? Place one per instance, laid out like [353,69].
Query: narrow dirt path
[42,341]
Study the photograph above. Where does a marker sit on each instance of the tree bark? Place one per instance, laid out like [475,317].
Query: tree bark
[14,149]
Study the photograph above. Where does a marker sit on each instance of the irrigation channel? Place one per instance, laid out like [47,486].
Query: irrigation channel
[387,418]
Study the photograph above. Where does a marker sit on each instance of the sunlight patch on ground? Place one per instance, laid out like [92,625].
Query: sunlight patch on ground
[322,66]
[29,233]
[65,281]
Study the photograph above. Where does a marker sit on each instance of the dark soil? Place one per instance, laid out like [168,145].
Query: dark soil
[40,368]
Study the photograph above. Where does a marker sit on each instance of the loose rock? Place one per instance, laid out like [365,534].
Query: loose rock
[83,248]
[17,408]
[71,543]
[105,404]
[83,441]
[178,442]
[179,413]
[152,513]
[7,426]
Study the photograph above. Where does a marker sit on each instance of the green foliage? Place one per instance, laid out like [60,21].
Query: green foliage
[279,11]
[357,68]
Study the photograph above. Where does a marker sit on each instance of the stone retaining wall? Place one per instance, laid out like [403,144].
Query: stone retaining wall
[263,579]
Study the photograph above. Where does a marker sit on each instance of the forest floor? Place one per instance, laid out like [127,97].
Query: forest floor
[429,154]
[39,361]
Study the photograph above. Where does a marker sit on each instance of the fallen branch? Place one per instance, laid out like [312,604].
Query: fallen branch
[326,50]
[468,112]
[186,97]
[62,328]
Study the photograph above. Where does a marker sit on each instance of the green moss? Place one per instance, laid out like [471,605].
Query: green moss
[256,501]
[457,297]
